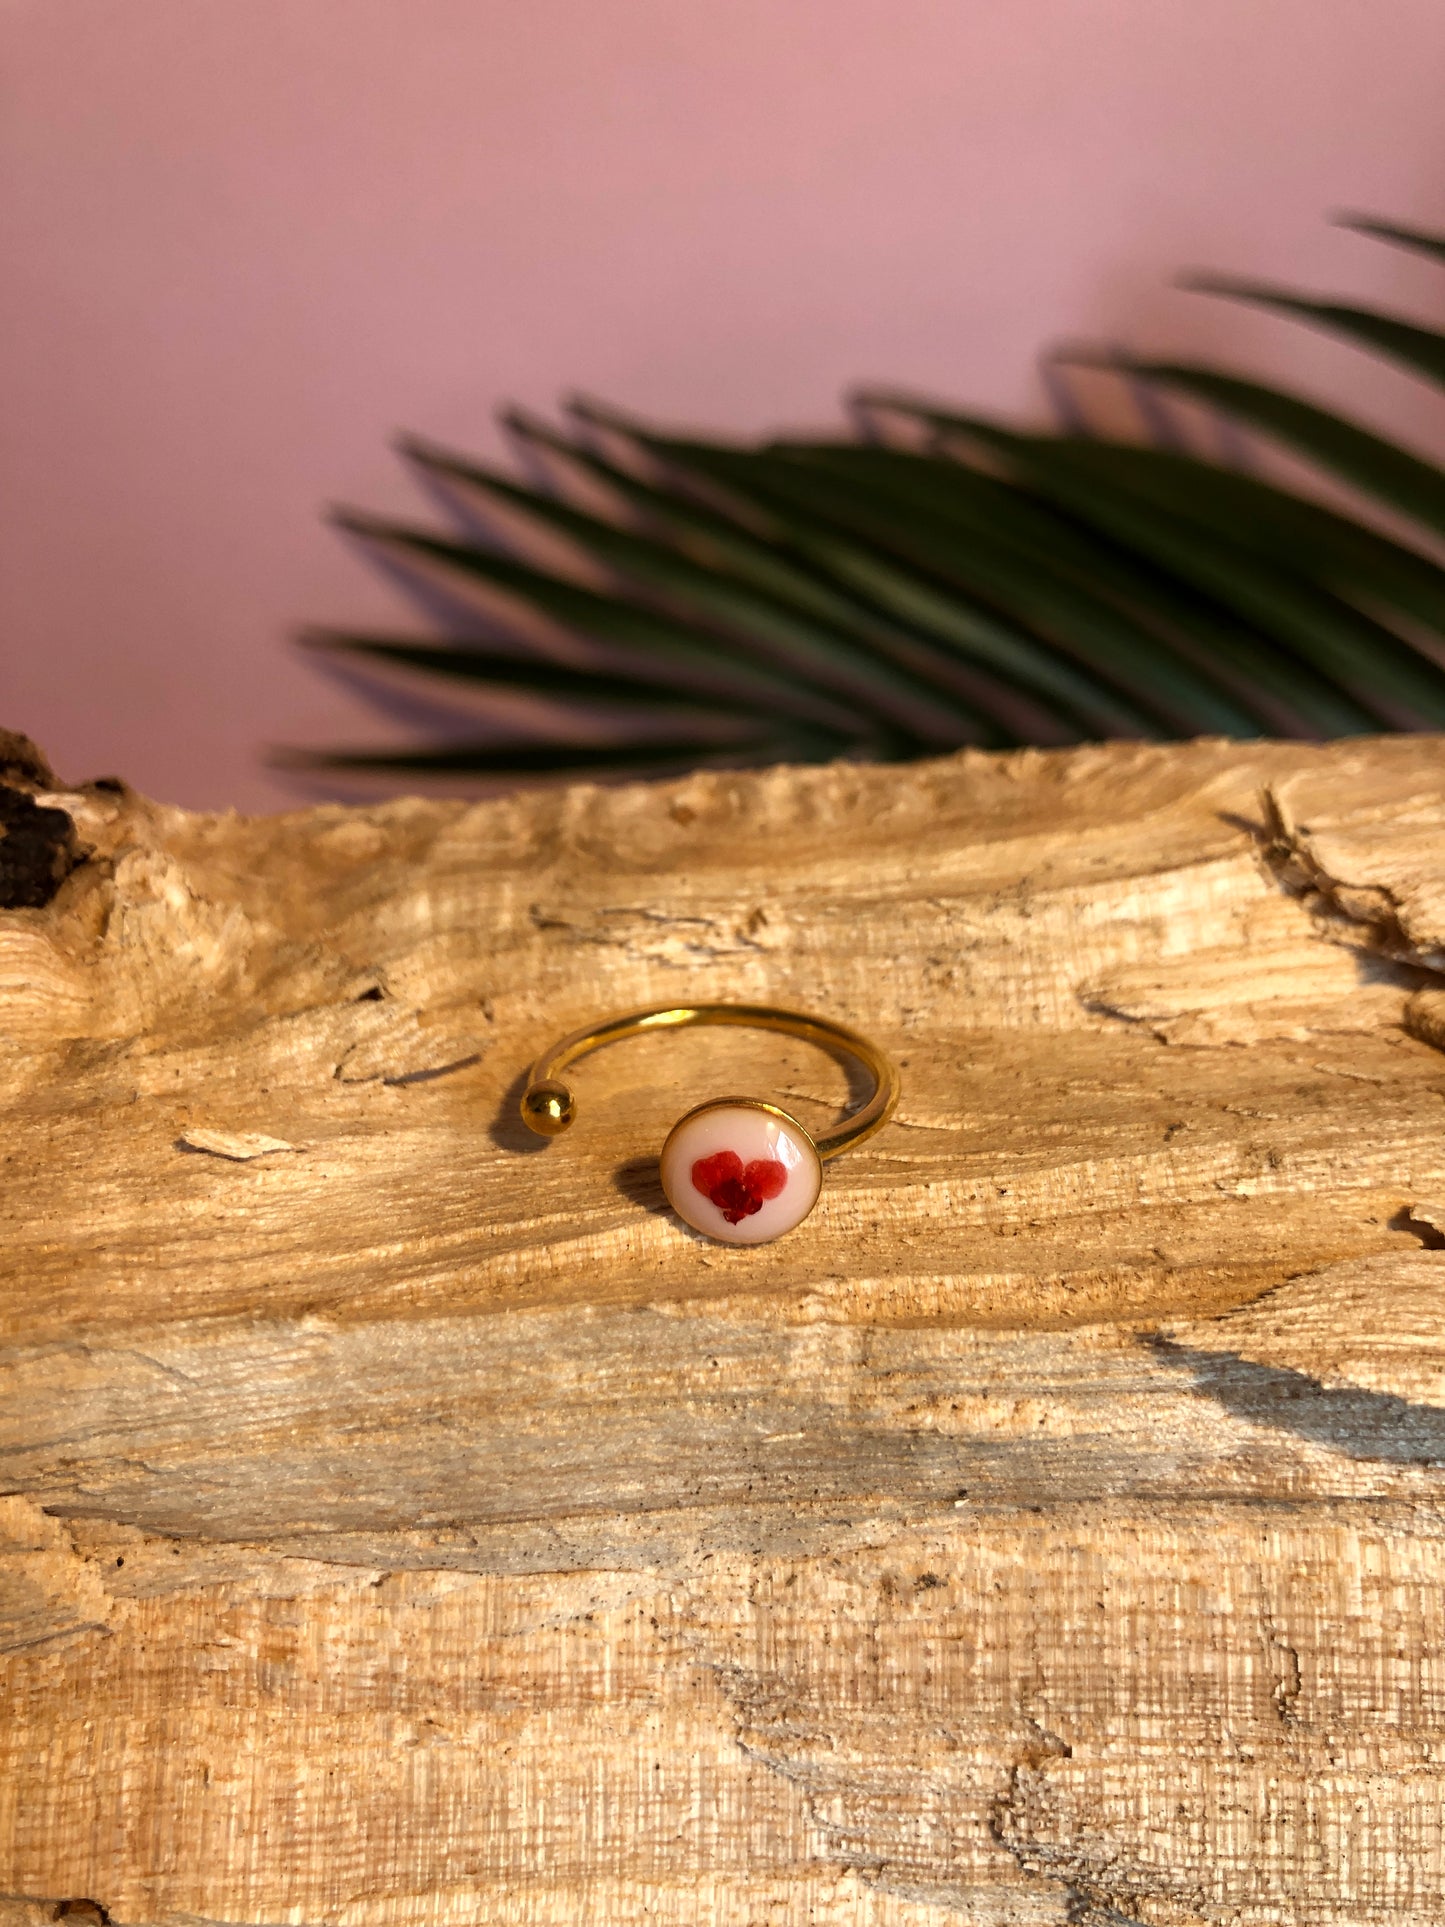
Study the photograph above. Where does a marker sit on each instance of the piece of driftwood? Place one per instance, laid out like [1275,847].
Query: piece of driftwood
[407,1522]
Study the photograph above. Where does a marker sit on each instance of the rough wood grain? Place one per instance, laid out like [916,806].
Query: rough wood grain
[410,1523]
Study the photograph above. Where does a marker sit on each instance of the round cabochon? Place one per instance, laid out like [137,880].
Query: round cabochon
[740,1171]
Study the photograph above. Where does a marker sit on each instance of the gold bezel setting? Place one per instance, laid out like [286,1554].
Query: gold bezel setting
[783,1148]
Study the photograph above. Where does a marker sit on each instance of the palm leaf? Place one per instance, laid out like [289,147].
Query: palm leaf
[1203,671]
[701,531]
[1175,612]
[1099,483]
[1379,468]
[1357,561]
[640,690]
[715,598]
[978,630]
[1421,350]
[673,646]
[729,604]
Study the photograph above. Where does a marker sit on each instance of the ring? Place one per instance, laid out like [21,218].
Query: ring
[739,1169]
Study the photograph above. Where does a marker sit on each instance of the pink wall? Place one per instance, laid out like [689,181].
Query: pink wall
[243,243]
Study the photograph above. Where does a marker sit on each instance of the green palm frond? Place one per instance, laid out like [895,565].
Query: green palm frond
[941,579]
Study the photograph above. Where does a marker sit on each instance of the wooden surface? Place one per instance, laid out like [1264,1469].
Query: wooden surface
[408,1522]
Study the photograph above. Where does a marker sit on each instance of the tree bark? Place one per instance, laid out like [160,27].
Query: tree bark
[408,1522]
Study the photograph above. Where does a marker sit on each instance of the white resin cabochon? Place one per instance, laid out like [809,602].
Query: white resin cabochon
[740,1149]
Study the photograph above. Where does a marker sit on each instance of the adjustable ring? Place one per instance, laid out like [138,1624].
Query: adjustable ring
[737,1168]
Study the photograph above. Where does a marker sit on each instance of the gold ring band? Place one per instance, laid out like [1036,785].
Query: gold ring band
[721,1190]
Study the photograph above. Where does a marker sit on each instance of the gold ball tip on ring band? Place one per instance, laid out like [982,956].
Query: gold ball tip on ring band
[736,1168]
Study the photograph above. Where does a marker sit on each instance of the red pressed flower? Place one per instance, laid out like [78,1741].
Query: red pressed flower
[738,1190]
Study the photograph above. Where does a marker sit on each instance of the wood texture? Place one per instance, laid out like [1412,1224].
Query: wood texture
[408,1523]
